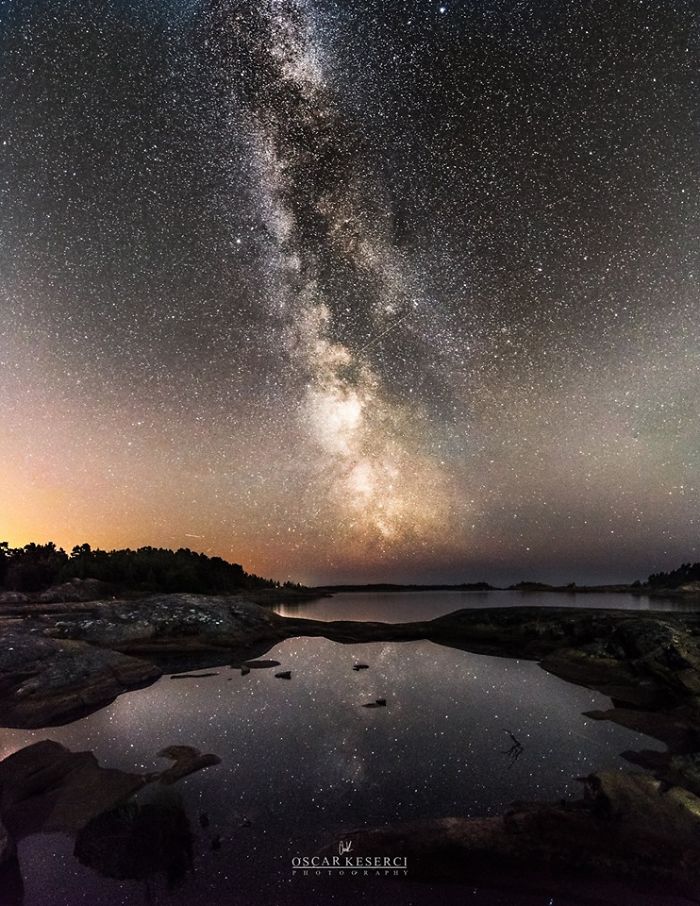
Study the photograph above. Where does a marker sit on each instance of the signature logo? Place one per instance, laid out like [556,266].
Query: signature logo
[346,864]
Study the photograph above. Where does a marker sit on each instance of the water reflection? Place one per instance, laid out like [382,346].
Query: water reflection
[302,759]
[406,606]
[127,825]
[138,840]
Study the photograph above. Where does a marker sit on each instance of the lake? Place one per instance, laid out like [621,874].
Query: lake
[406,606]
[302,759]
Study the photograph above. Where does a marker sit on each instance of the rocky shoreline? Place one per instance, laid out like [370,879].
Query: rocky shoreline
[60,662]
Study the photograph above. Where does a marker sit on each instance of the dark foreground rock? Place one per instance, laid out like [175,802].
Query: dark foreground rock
[44,680]
[56,666]
[8,850]
[627,828]
[46,788]
[139,841]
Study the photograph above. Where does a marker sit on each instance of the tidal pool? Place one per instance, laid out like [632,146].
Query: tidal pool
[301,759]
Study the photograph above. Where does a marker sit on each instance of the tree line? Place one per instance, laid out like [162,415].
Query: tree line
[36,567]
[686,573]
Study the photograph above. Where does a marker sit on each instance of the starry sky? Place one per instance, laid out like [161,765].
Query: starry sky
[353,291]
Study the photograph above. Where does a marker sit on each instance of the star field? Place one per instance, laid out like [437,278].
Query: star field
[303,760]
[353,291]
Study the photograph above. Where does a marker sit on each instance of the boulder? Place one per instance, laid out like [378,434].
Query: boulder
[166,623]
[45,787]
[44,681]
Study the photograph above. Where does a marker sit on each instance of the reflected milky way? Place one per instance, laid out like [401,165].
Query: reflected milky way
[302,759]
[353,291]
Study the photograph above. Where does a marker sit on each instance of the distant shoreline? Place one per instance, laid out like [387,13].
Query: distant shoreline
[522,587]
[391,586]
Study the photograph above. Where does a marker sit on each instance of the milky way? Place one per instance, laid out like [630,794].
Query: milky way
[353,291]
[318,199]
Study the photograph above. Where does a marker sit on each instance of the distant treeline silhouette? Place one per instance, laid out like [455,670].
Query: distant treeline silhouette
[686,573]
[36,567]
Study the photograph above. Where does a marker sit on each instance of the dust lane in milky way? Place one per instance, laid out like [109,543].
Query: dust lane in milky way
[353,293]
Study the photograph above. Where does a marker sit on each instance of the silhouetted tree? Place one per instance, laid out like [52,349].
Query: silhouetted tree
[4,560]
[38,566]
[686,573]
[35,566]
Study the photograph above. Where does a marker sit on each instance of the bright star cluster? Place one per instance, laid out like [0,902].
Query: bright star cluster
[353,291]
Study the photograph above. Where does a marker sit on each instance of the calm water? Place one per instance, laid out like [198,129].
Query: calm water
[404,607]
[302,759]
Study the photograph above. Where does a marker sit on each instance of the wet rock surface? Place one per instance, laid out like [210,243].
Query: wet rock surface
[46,788]
[627,828]
[194,675]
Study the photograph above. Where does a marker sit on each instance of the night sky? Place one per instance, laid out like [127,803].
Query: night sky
[353,291]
